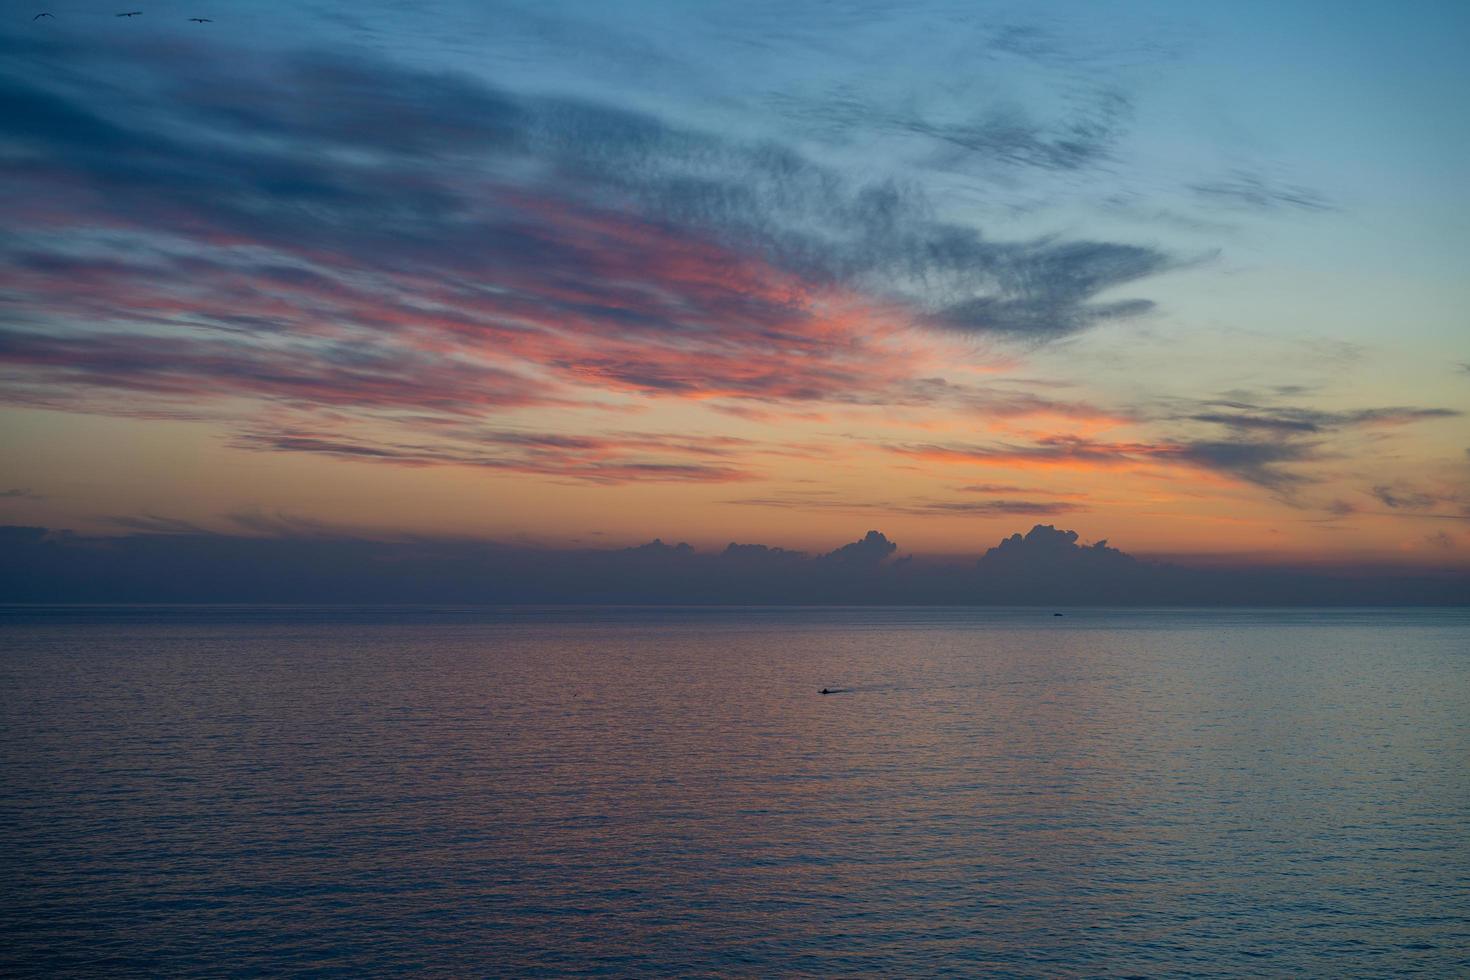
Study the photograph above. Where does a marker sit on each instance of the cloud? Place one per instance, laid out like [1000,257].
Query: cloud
[282,559]
[1265,445]
[760,553]
[1252,462]
[1034,508]
[293,371]
[1248,190]
[153,524]
[1045,547]
[1245,416]
[1053,293]
[993,488]
[1407,499]
[657,549]
[1003,136]
[1000,400]
[277,524]
[821,500]
[610,459]
[20,493]
[1257,462]
[873,547]
[331,230]
[1060,450]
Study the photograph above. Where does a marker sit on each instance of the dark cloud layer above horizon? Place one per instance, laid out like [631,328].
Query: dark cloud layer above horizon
[290,562]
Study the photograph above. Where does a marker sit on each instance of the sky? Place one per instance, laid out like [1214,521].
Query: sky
[1185,276]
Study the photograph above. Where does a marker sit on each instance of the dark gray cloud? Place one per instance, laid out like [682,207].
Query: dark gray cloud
[658,550]
[1052,294]
[1046,546]
[1011,137]
[760,553]
[1265,440]
[1249,190]
[873,547]
[1405,499]
[1246,416]
[1254,461]
[19,493]
[1408,500]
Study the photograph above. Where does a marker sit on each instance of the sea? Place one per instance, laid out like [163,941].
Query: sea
[645,792]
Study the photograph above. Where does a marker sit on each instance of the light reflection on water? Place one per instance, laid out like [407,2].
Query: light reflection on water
[665,792]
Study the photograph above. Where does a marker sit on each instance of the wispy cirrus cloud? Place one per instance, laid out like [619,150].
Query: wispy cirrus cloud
[1264,445]
[154,524]
[924,506]
[1260,463]
[606,459]
[324,228]
[1409,500]
[1005,488]
[1256,191]
[1404,498]
[997,137]
[48,369]
[1245,416]
[994,508]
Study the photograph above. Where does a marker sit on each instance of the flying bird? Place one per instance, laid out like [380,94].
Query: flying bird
[131,13]
[201,20]
[39,16]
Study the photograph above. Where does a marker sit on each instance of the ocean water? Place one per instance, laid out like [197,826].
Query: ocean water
[644,792]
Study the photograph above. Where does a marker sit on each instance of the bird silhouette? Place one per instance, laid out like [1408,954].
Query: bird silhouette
[39,16]
[200,20]
[131,13]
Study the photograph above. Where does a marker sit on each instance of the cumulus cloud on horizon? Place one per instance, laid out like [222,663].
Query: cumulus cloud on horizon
[278,558]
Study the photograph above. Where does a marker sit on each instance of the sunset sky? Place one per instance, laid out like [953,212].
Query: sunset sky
[1190,277]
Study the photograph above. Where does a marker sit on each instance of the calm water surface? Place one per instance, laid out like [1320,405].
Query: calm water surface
[646,792]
